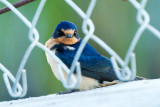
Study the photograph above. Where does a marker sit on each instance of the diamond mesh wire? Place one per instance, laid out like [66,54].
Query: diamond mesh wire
[125,74]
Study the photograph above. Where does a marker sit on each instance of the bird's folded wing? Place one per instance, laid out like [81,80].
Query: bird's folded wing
[101,70]
[98,68]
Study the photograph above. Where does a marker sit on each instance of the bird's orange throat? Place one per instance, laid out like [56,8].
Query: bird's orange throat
[66,41]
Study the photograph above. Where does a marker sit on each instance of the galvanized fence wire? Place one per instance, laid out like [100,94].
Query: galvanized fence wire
[124,72]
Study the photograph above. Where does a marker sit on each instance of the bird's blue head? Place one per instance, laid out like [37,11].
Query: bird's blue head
[66,33]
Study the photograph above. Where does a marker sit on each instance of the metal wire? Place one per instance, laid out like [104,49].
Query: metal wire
[123,72]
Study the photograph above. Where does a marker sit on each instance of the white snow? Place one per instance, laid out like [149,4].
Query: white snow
[144,93]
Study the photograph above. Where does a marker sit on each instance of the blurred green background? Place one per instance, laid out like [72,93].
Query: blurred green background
[115,23]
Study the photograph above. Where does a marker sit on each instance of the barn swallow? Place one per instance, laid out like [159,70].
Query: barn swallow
[97,70]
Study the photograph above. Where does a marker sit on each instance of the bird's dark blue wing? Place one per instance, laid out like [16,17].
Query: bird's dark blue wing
[92,63]
[101,70]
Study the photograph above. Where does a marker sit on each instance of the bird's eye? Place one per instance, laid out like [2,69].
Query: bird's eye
[60,33]
[75,33]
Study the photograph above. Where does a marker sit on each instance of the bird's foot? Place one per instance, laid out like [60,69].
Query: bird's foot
[140,78]
[68,92]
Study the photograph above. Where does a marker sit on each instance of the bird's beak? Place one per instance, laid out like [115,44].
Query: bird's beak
[69,36]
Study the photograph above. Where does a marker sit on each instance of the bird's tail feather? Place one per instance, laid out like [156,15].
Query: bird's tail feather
[106,83]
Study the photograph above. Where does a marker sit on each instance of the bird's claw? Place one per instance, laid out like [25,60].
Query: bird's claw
[68,92]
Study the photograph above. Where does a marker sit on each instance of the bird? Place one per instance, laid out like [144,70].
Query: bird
[97,70]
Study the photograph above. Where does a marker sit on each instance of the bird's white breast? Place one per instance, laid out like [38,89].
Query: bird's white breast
[53,64]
